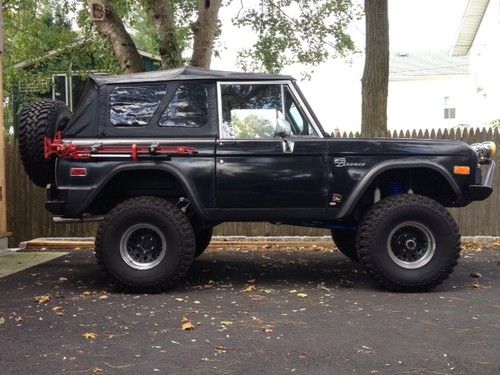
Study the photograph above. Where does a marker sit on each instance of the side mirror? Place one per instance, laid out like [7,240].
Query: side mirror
[283,127]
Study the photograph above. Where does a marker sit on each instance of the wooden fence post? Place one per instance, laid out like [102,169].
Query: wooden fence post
[3,195]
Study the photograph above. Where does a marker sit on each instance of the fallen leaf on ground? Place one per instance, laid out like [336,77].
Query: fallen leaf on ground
[2,320]
[104,296]
[179,299]
[226,323]
[267,330]
[301,295]
[209,285]
[34,274]
[476,285]
[96,370]
[249,289]
[62,279]
[220,349]
[58,310]
[186,324]
[89,335]
[18,318]
[42,299]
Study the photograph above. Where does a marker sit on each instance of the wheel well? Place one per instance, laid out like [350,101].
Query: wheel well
[135,183]
[422,181]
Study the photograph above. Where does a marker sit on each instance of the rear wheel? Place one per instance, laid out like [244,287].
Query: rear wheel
[203,238]
[408,243]
[145,243]
[39,120]
[346,243]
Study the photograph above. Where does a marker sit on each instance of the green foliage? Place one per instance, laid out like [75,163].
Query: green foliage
[302,31]
[32,29]
[252,126]
[495,123]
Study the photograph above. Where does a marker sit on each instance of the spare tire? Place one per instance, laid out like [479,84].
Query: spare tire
[39,120]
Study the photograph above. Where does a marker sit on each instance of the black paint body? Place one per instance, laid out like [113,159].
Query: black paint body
[255,179]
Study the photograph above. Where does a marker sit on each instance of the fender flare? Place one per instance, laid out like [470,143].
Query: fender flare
[363,184]
[168,168]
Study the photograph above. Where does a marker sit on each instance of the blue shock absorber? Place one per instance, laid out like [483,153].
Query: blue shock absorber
[395,187]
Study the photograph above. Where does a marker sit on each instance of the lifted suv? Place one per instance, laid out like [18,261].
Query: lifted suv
[163,157]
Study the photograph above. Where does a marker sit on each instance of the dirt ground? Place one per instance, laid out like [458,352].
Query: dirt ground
[265,308]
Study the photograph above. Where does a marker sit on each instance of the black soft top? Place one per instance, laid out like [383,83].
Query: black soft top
[185,73]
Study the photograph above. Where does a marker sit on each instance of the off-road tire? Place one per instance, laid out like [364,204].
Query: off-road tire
[38,120]
[346,243]
[165,216]
[373,246]
[202,239]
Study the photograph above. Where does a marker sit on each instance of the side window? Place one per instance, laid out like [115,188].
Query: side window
[250,111]
[134,106]
[262,111]
[294,115]
[188,108]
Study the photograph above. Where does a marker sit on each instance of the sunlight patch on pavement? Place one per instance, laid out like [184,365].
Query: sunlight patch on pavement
[13,262]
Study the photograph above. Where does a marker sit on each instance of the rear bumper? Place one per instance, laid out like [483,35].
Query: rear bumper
[55,202]
[66,202]
[484,190]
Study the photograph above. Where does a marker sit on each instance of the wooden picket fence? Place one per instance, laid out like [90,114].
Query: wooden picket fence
[27,217]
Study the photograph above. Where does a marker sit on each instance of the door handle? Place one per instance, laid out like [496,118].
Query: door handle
[288,146]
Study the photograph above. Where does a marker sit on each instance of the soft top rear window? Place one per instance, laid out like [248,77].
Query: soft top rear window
[134,106]
[188,107]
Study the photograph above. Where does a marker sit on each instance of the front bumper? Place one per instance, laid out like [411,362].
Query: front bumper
[484,190]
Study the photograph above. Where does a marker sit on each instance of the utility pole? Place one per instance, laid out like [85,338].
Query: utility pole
[3,195]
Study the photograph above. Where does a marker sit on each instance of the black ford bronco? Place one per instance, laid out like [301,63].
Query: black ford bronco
[163,157]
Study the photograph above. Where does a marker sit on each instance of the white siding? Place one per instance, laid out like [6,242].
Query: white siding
[484,62]
[419,103]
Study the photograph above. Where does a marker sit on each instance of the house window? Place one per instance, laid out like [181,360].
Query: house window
[449,108]
[60,88]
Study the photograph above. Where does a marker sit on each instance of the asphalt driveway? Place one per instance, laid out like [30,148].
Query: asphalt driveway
[263,309]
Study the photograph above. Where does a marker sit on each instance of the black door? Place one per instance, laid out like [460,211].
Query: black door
[272,170]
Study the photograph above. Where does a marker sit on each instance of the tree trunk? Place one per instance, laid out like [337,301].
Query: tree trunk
[161,14]
[204,31]
[375,79]
[110,25]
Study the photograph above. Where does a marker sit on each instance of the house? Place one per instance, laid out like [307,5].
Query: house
[429,90]
[450,89]
[65,82]
[478,41]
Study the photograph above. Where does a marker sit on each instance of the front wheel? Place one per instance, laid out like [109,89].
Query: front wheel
[145,243]
[408,243]
[345,241]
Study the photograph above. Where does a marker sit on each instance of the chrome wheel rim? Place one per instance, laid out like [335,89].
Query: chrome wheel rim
[411,245]
[143,246]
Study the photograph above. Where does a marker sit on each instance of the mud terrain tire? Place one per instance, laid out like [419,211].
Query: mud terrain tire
[203,238]
[145,244]
[38,120]
[346,243]
[408,243]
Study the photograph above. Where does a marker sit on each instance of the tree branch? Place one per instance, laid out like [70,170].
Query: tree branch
[110,25]
[161,14]
[204,32]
